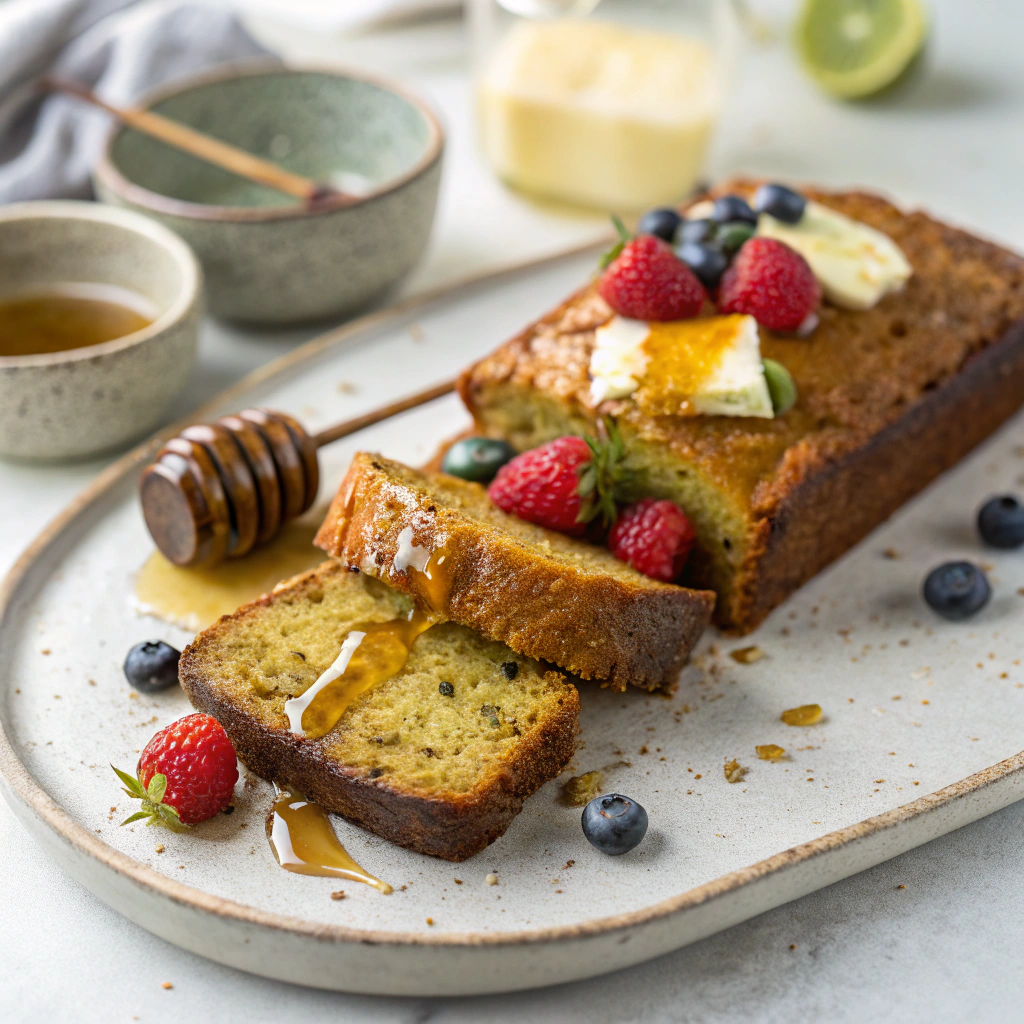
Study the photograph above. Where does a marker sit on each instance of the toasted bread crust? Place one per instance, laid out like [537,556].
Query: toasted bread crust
[453,828]
[593,624]
[888,399]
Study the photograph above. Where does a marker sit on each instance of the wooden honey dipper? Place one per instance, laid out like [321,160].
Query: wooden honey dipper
[218,490]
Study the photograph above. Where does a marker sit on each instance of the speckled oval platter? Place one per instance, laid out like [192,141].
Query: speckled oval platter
[921,731]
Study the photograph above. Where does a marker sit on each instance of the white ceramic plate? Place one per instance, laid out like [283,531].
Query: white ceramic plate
[921,735]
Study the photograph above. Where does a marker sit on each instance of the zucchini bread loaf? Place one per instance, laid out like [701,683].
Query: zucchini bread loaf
[438,757]
[889,397]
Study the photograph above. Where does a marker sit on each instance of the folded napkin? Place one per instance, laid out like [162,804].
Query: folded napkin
[119,49]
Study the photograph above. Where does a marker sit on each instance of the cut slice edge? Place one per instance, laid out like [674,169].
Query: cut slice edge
[545,595]
[444,781]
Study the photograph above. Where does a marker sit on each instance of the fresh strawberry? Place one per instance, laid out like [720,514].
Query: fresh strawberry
[772,283]
[647,281]
[654,537]
[186,773]
[563,484]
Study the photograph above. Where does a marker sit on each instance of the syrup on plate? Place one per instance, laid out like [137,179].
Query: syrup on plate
[195,598]
[303,841]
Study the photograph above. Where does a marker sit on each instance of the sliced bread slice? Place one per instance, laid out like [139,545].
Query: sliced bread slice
[443,542]
[441,769]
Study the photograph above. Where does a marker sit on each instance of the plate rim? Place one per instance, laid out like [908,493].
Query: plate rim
[24,785]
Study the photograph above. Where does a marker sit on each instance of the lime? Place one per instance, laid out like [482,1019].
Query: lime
[854,48]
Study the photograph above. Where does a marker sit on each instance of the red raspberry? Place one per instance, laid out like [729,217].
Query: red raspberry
[772,283]
[197,761]
[654,537]
[542,485]
[646,281]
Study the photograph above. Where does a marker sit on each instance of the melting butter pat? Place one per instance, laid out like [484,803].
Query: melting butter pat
[855,264]
[709,365]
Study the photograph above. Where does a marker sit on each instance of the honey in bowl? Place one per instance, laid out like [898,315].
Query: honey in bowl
[70,316]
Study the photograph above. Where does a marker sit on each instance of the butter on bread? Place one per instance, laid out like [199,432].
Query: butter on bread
[889,397]
[443,773]
[543,594]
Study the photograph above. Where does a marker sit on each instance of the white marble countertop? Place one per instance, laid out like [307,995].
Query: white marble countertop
[940,949]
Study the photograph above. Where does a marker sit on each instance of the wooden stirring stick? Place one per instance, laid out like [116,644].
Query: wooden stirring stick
[218,490]
[213,151]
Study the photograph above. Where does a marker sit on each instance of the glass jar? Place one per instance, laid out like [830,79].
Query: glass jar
[603,103]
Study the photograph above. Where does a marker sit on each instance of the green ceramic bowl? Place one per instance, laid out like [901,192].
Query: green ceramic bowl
[269,258]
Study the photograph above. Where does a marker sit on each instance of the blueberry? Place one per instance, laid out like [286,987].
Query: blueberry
[614,824]
[733,208]
[662,223]
[695,231]
[782,203]
[957,590]
[706,261]
[1001,522]
[731,235]
[477,458]
[152,666]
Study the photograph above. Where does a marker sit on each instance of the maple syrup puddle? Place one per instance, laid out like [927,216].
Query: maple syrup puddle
[195,598]
[371,654]
[304,841]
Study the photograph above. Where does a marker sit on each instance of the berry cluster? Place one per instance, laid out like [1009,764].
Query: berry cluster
[675,264]
[573,481]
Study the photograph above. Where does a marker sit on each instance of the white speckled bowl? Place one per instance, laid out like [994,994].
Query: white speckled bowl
[64,405]
[269,258]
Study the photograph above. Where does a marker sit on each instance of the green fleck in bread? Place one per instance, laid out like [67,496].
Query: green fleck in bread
[544,594]
[888,399]
[431,772]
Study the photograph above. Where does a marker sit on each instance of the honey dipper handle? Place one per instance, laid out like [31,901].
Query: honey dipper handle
[203,146]
[340,430]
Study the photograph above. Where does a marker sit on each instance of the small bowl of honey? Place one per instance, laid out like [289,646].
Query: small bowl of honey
[99,314]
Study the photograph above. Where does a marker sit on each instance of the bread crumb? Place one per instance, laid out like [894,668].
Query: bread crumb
[159,847]
[167,984]
[901,887]
[339,895]
[430,920]
[458,881]
[581,789]
[890,553]
[747,655]
[734,771]
[46,650]
[698,776]
[491,879]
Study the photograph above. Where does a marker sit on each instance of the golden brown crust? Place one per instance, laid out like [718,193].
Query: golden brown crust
[622,628]
[454,827]
[871,385]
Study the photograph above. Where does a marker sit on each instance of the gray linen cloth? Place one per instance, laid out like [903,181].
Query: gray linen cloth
[117,48]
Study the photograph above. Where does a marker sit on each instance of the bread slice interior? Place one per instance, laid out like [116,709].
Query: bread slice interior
[442,769]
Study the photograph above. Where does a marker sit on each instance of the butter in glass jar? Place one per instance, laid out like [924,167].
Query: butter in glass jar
[603,103]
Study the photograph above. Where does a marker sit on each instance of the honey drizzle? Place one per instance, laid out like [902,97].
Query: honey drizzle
[371,654]
[681,355]
[374,652]
[304,841]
